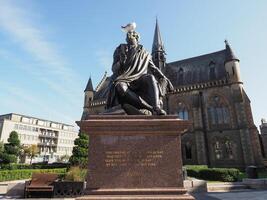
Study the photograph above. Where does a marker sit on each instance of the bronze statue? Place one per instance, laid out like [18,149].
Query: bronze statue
[136,83]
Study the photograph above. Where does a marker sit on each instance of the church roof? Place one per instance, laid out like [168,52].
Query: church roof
[89,86]
[198,69]
[229,53]
[157,41]
[102,90]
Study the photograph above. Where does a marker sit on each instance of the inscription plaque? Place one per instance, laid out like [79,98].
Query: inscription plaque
[134,161]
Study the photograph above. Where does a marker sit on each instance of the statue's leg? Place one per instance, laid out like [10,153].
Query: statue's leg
[150,89]
[130,97]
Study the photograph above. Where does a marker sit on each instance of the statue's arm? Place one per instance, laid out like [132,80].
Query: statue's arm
[159,75]
[155,71]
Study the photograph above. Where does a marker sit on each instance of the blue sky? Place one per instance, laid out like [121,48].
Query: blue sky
[48,49]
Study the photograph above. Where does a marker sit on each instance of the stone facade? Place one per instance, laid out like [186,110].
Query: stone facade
[210,93]
[263,129]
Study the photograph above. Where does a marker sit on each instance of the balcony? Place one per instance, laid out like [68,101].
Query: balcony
[47,136]
[47,144]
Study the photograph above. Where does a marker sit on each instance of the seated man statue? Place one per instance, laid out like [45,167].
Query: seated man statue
[136,83]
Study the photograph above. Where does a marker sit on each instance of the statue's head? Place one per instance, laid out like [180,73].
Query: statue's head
[132,38]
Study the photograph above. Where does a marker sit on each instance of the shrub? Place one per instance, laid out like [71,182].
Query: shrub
[213,174]
[76,174]
[11,149]
[15,166]
[8,175]
[80,151]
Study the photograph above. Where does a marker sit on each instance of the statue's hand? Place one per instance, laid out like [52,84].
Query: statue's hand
[169,86]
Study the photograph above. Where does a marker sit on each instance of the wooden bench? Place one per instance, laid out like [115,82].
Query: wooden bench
[40,184]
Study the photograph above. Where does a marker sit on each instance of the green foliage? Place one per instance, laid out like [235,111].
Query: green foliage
[7,158]
[213,174]
[15,166]
[1,147]
[31,151]
[8,175]
[76,174]
[64,158]
[14,139]
[11,149]
[80,151]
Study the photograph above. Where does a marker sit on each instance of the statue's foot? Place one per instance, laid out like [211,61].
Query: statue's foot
[159,111]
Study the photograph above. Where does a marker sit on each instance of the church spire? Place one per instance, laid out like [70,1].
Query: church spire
[229,54]
[158,51]
[89,86]
[157,42]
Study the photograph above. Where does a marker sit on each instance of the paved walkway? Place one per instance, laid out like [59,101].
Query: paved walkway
[244,195]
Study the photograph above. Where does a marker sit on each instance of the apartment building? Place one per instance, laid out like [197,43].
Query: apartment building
[54,139]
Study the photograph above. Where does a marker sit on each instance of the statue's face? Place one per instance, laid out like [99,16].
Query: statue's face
[131,39]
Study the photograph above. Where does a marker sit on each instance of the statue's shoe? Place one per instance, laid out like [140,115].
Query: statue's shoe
[159,111]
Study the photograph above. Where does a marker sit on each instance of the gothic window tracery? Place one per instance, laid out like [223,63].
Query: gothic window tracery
[182,111]
[229,149]
[218,112]
[223,149]
[218,150]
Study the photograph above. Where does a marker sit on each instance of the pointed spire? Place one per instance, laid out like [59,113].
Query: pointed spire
[157,42]
[89,86]
[229,54]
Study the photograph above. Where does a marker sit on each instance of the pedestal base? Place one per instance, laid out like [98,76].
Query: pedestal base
[134,157]
[138,194]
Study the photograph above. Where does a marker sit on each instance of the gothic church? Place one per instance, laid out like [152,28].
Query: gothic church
[210,93]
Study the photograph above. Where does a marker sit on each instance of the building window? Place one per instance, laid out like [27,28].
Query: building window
[212,72]
[218,150]
[181,76]
[182,111]
[229,149]
[218,112]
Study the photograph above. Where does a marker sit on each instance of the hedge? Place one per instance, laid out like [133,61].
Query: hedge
[8,175]
[15,166]
[213,174]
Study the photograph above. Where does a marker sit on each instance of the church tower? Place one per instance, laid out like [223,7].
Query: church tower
[232,65]
[88,97]
[158,51]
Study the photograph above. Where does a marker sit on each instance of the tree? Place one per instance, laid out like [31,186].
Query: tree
[31,151]
[1,147]
[11,149]
[80,151]
[64,158]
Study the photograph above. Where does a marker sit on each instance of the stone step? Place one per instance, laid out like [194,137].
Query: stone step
[226,187]
[136,191]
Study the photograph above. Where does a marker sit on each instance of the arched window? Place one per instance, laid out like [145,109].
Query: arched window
[218,150]
[229,149]
[180,76]
[218,112]
[182,111]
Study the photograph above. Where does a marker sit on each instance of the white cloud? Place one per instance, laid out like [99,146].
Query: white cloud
[46,65]
[21,28]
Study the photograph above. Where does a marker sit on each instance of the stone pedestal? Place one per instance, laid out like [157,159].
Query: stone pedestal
[134,157]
